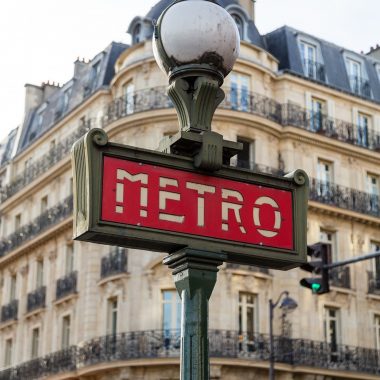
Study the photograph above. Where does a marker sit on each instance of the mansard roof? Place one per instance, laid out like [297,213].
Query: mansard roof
[283,43]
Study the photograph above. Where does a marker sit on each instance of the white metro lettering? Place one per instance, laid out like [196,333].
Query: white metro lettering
[277,216]
[231,206]
[164,196]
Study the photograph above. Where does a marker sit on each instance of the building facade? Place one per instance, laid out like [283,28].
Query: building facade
[72,310]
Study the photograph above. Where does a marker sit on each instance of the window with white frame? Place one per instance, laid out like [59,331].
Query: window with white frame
[39,273]
[239,91]
[8,351]
[354,74]
[18,221]
[66,98]
[247,314]
[317,111]
[239,23]
[373,182]
[35,344]
[136,34]
[332,328]
[12,287]
[376,326]
[246,156]
[375,263]
[325,177]
[66,324]
[329,237]
[69,259]
[171,311]
[129,99]
[363,124]
[112,314]
[309,59]
[44,204]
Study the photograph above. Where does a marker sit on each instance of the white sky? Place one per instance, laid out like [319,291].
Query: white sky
[40,39]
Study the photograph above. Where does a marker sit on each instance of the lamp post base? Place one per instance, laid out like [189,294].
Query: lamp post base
[194,273]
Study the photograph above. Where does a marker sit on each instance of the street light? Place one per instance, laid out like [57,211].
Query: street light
[287,305]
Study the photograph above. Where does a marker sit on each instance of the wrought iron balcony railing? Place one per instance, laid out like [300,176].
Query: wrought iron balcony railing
[360,86]
[36,299]
[340,277]
[114,263]
[9,312]
[40,166]
[66,285]
[314,70]
[223,344]
[373,282]
[344,197]
[46,220]
[250,268]
[297,116]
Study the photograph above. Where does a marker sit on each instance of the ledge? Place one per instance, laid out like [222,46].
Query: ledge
[67,298]
[9,323]
[32,313]
[115,277]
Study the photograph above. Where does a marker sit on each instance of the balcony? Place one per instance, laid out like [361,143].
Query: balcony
[223,344]
[114,263]
[360,86]
[340,277]
[344,197]
[9,312]
[46,220]
[66,285]
[373,283]
[40,166]
[314,70]
[36,299]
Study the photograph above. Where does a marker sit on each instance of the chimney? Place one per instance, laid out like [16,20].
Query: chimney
[79,67]
[249,7]
[374,52]
[49,89]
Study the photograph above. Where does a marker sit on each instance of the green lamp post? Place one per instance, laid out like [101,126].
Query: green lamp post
[196,43]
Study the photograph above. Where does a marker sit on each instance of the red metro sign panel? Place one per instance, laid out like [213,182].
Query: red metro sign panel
[149,200]
[166,199]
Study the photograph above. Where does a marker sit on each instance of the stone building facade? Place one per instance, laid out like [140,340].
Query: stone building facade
[72,310]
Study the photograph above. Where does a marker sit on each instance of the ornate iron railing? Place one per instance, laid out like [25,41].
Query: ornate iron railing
[114,263]
[373,282]
[344,197]
[40,166]
[9,312]
[314,70]
[36,299]
[47,219]
[255,167]
[223,344]
[66,285]
[340,277]
[360,86]
[250,268]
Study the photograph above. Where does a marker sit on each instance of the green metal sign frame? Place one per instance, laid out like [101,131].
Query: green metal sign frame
[87,160]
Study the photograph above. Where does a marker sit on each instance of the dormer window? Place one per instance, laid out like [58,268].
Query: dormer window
[240,24]
[66,98]
[358,83]
[312,66]
[136,38]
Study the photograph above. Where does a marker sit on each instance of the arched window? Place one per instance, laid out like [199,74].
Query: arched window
[240,24]
[136,34]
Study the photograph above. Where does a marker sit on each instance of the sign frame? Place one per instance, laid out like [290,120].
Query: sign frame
[87,162]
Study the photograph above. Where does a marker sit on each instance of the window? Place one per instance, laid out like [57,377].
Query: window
[247,314]
[171,305]
[112,316]
[239,91]
[332,330]
[40,119]
[69,260]
[39,273]
[377,331]
[8,353]
[44,204]
[309,58]
[65,332]
[240,25]
[316,114]
[35,343]
[17,221]
[362,129]
[66,98]
[246,157]
[375,247]
[94,73]
[128,90]
[136,34]
[27,163]
[329,237]
[324,177]
[373,190]
[354,75]
[12,288]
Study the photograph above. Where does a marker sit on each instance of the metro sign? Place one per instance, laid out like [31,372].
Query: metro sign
[144,199]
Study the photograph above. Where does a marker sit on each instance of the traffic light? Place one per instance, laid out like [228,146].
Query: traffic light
[319,254]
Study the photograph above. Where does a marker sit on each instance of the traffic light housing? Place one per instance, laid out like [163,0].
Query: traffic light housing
[319,254]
